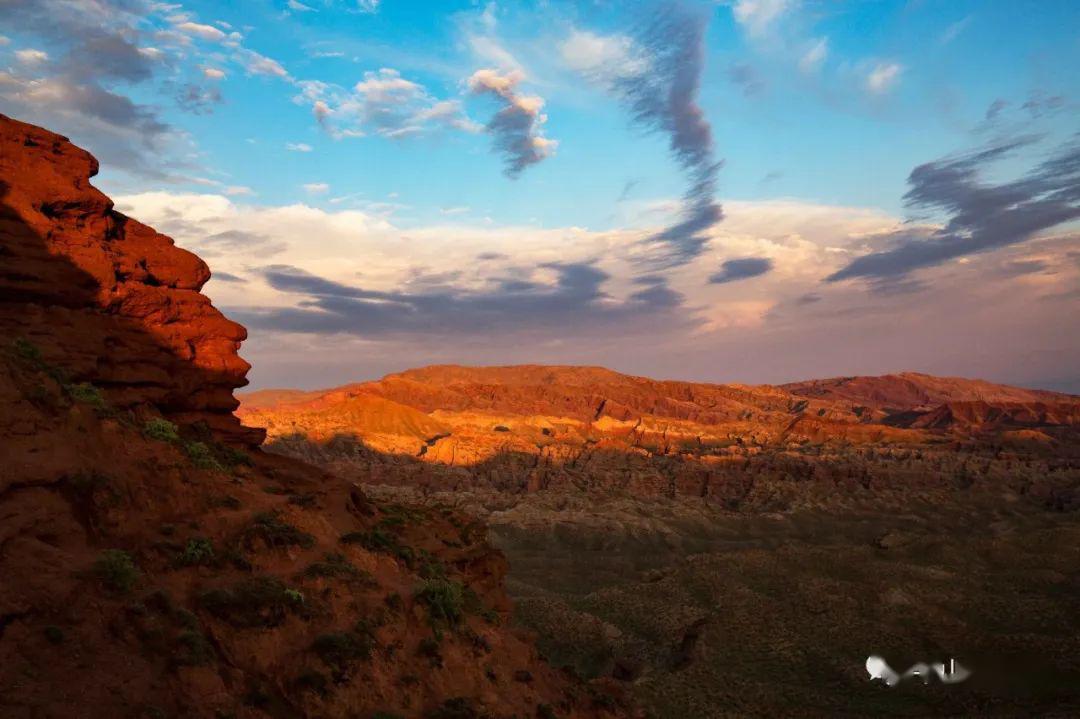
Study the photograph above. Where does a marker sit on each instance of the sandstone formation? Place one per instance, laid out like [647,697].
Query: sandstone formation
[154,562]
[106,298]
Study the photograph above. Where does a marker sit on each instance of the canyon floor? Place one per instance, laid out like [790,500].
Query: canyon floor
[740,551]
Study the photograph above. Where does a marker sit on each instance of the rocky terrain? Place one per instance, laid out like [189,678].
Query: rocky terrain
[154,561]
[727,550]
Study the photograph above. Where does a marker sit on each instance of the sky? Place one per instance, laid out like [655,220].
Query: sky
[753,191]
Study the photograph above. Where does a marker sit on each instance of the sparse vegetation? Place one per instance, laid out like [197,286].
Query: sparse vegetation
[199,550]
[338,650]
[335,566]
[256,602]
[445,602]
[380,540]
[200,455]
[232,457]
[116,570]
[88,394]
[274,532]
[161,430]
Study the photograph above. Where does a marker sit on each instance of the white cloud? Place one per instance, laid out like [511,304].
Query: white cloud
[602,57]
[300,7]
[4,40]
[812,59]
[368,6]
[236,190]
[31,57]
[387,86]
[298,147]
[384,103]
[316,188]
[758,16]
[883,76]
[212,73]
[954,30]
[257,64]
[204,32]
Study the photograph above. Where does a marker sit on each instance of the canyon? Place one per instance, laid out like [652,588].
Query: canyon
[732,550]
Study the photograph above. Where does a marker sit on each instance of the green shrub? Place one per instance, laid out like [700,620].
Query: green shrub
[27,351]
[161,429]
[198,551]
[334,565]
[232,457]
[379,540]
[88,394]
[54,634]
[254,602]
[269,527]
[445,601]
[473,605]
[200,455]
[340,649]
[116,570]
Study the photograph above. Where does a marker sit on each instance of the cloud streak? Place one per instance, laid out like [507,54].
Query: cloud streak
[980,216]
[570,304]
[664,98]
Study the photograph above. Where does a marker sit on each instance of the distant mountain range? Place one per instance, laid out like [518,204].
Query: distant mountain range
[456,414]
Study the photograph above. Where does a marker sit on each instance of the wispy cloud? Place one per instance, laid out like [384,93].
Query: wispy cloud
[883,76]
[980,216]
[812,60]
[759,16]
[953,30]
[665,98]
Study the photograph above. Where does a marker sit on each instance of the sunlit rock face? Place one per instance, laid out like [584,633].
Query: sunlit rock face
[106,298]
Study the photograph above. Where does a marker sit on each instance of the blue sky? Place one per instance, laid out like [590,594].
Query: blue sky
[423,155]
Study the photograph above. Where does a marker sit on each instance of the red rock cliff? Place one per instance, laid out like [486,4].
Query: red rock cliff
[121,309]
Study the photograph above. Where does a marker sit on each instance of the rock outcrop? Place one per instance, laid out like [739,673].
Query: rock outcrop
[151,568]
[105,298]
